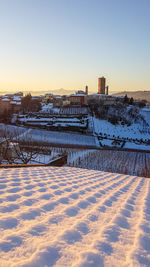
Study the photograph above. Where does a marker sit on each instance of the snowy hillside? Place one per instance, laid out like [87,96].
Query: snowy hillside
[73,217]
[134,131]
[125,162]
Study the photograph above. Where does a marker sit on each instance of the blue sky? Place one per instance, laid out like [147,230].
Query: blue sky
[51,44]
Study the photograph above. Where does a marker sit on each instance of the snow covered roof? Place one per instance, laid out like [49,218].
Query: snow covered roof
[15,103]
[103,95]
[2,140]
[52,216]
[17,98]
[58,96]
[78,95]
[146,108]
[118,96]
[6,99]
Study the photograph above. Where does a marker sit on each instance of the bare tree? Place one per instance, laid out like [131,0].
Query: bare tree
[19,147]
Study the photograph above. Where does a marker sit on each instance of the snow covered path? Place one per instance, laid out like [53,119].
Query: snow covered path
[65,216]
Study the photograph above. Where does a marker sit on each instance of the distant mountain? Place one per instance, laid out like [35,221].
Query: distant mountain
[138,95]
[62,91]
[41,92]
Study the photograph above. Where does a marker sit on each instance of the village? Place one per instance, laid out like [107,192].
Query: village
[32,125]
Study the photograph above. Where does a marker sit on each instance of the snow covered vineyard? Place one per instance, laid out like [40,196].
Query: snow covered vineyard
[125,162]
[73,217]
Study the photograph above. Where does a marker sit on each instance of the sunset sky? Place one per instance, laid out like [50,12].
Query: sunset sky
[52,44]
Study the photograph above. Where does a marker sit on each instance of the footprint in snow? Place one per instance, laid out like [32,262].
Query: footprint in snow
[74,196]
[112,234]
[71,212]
[83,228]
[37,230]
[8,223]
[47,257]
[93,217]
[144,241]
[104,247]
[14,190]
[42,190]
[64,200]
[27,194]
[91,199]
[126,213]
[83,204]
[9,208]
[13,197]
[46,196]
[29,202]
[11,244]
[56,219]
[90,259]
[31,215]
[71,236]
[122,222]
[50,206]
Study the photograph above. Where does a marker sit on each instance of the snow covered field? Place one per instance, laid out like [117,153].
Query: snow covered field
[134,131]
[133,163]
[124,132]
[62,138]
[67,217]
[53,137]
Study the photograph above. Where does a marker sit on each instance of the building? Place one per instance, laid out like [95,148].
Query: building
[58,101]
[105,100]
[66,102]
[19,94]
[48,98]
[11,102]
[15,106]
[4,105]
[78,99]
[101,85]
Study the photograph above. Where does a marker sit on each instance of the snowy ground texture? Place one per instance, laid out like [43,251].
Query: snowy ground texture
[73,217]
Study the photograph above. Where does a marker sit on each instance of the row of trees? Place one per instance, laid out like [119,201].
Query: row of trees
[130,101]
[30,105]
[121,112]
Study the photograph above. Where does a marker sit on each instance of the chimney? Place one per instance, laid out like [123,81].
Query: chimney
[86,90]
[107,87]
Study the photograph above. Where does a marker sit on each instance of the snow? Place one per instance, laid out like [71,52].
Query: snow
[17,98]
[125,162]
[5,99]
[137,146]
[127,135]
[146,114]
[62,138]
[51,137]
[15,103]
[46,108]
[133,131]
[62,122]
[53,216]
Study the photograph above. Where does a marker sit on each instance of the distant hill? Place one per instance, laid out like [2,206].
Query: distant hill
[62,91]
[41,92]
[138,95]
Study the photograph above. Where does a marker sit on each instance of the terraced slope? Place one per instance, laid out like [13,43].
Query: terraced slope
[73,217]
